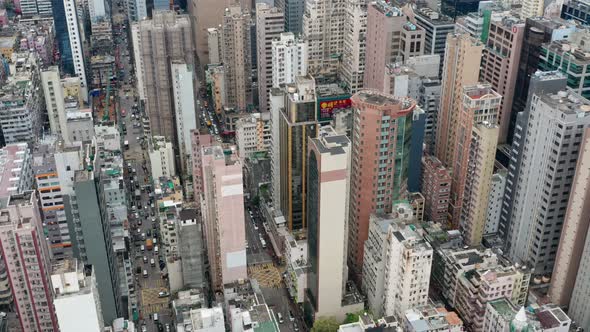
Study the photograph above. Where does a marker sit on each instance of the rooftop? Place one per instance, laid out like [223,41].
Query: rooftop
[12,158]
[379,99]
[568,102]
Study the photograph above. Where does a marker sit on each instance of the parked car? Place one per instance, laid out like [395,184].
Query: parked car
[163,294]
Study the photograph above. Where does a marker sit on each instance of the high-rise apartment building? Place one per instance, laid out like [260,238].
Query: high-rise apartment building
[573,235]
[578,306]
[380,158]
[91,236]
[499,64]
[476,192]
[480,105]
[293,10]
[436,27]
[270,24]
[540,83]
[323,30]
[190,247]
[184,106]
[26,257]
[390,38]
[214,45]
[570,57]
[461,68]
[551,146]
[352,69]
[236,58]
[495,200]
[163,39]
[328,180]
[289,60]
[293,123]
[379,265]
[405,270]
[77,302]
[222,207]
[435,185]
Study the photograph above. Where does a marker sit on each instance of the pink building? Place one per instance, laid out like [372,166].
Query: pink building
[26,256]
[222,208]
[499,64]
[198,140]
[435,185]
[390,38]
[376,180]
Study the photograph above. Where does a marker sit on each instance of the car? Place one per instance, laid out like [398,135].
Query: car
[295,327]
[142,248]
[155,316]
[291,317]
[163,294]
[145,260]
[153,219]
[145,274]
[139,222]
[143,236]
[152,262]
[255,227]
[167,327]
[280,318]
[138,270]
[143,328]
[148,233]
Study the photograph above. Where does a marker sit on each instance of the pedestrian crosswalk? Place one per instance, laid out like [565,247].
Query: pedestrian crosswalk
[151,302]
[266,274]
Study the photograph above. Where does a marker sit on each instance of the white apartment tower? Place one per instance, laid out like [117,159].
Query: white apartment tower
[270,23]
[289,60]
[54,100]
[556,123]
[327,214]
[184,106]
[407,270]
[70,9]
[323,29]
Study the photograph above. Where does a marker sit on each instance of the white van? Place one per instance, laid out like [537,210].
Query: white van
[145,274]
[142,248]
[280,317]
[155,249]
[152,262]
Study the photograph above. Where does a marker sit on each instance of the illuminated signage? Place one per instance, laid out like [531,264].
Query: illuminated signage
[327,106]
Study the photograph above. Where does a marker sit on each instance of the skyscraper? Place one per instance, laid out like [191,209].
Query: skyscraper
[328,180]
[499,65]
[435,185]
[540,83]
[574,236]
[270,24]
[436,27]
[163,39]
[380,159]
[184,105]
[26,258]
[237,58]
[538,31]
[352,69]
[293,121]
[222,207]
[390,38]
[480,104]
[551,146]
[476,192]
[323,29]
[461,68]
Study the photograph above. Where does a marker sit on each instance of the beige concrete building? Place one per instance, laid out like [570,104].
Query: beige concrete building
[214,44]
[270,23]
[461,68]
[165,38]
[480,168]
[236,57]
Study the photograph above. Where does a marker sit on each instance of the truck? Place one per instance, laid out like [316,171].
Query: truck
[149,244]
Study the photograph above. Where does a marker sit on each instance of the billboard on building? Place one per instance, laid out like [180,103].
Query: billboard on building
[327,106]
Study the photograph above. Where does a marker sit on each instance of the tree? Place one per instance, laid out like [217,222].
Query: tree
[354,317]
[325,324]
